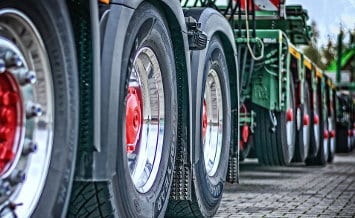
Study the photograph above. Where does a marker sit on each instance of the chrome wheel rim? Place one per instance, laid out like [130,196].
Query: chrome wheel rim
[332,139]
[213,135]
[306,130]
[145,156]
[316,127]
[25,59]
[325,142]
[290,128]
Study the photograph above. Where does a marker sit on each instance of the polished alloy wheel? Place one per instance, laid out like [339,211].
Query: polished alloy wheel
[212,122]
[144,119]
[26,113]
[306,129]
[316,127]
[290,128]
[331,137]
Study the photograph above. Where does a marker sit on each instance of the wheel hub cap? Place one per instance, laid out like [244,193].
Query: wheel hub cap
[332,134]
[10,113]
[316,119]
[204,120]
[212,142]
[289,114]
[245,133]
[306,120]
[145,118]
[133,118]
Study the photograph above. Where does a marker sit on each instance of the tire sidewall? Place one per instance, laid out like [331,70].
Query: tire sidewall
[282,118]
[51,20]
[209,188]
[154,201]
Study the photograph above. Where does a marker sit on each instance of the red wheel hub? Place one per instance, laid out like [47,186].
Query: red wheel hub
[133,118]
[204,119]
[289,114]
[10,114]
[326,134]
[332,134]
[245,133]
[306,120]
[316,119]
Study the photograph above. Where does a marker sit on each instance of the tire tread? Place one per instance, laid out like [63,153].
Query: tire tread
[90,199]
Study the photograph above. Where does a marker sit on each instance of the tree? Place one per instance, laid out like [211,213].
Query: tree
[311,51]
[328,53]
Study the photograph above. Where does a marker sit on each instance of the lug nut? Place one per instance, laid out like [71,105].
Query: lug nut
[5,188]
[24,76]
[17,176]
[12,60]
[2,66]
[29,147]
[33,110]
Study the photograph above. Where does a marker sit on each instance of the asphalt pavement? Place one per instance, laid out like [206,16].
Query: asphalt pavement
[293,191]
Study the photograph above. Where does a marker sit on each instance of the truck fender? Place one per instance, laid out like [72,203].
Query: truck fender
[212,22]
[100,165]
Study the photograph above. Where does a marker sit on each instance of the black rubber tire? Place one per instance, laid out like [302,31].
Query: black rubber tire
[51,19]
[314,145]
[270,142]
[264,137]
[119,196]
[342,142]
[302,148]
[332,140]
[207,190]
[321,156]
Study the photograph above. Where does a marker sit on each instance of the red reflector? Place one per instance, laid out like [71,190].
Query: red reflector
[326,134]
[245,133]
[306,120]
[316,119]
[289,115]
[332,134]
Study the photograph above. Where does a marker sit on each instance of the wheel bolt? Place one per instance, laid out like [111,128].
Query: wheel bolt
[33,110]
[18,176]
[12,60]
[2,66]
[5,188]
[29,147]
[25,76]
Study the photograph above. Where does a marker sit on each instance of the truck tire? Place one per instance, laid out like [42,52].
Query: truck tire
[321,157]
[331,138]
[144,126]
[39,108]
[342,139]
[275,145]
[315,127]
[331,134]
[304,131]
[264,136]
[211,169]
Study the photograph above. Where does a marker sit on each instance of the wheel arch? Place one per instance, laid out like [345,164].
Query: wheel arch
[100,165]
[213,23]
